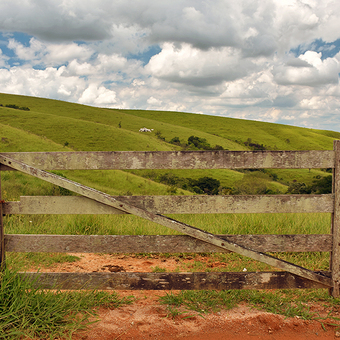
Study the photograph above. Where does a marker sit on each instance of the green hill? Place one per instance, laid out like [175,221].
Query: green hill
[274,136]
[37,124]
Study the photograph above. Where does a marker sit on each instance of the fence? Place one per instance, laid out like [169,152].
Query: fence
[152,208]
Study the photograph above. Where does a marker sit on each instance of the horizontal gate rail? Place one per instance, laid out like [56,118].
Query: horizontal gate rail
[197,204]
[168,281]
[162,243]
[176,160]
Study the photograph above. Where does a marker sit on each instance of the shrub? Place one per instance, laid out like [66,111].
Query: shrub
[16,107]
[24,108]
[12,106]
[199,143]
[175,141]
[207,185]
[320,185]
[254,146]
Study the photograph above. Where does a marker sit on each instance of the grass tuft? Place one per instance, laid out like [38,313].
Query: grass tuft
[284,302]
[26,311]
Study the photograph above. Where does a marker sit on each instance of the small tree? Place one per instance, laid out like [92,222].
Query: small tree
[175,141]
[199,143]
[207,185]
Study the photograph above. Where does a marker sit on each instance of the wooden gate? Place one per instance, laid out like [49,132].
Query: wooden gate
[152,208]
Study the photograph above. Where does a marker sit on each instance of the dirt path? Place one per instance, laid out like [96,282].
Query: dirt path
[147,319]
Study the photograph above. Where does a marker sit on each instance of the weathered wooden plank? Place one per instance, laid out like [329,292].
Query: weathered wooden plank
[177,159]
[165,221]
[335,254]
[162,243]
[61,205]
[170,281]
[198,204]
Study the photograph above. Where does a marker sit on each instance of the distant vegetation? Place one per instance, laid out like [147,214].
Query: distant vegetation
[320,185]
[16,107]
[254,146]
[195,143]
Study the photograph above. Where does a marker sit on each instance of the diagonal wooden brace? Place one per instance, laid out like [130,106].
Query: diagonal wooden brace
[163,220]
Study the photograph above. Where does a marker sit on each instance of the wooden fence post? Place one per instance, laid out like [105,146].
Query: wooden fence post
[2,234]
[335,254]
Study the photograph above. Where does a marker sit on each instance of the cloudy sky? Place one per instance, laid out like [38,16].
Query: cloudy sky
[270,60]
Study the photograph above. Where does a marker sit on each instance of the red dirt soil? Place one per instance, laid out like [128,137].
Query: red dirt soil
[147,319]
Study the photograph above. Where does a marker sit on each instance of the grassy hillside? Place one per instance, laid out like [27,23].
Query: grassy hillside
[46,118]
[274,136]
[51,125]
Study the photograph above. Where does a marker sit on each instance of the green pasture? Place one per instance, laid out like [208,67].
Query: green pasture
[14,139]
[78,134]
[217,130]
[122,124]
[316,223]
[274,136]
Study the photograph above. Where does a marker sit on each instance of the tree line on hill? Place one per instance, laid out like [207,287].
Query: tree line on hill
[16,107]
[320,185]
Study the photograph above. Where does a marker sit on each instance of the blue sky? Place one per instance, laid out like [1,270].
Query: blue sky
[274,61]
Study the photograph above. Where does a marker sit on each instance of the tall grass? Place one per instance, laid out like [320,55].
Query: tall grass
[316,223]
[26,311]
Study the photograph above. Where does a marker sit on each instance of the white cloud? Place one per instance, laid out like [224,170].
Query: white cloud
[316,71]
[153,101]
[3,59]
[98,95]
[111,63]
[47,83]
[74,68]
[33,52]
[230,58]
[49,54]
[57,54]
[191,66]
